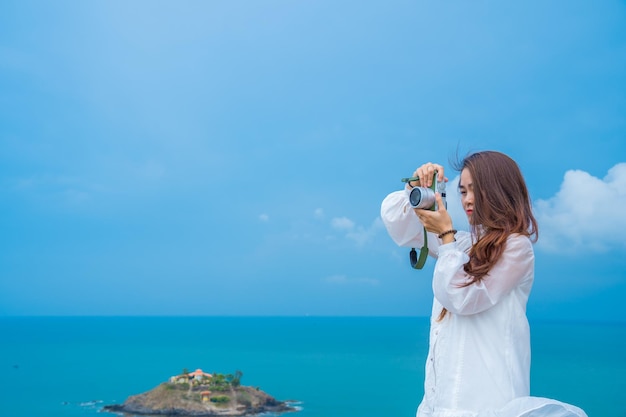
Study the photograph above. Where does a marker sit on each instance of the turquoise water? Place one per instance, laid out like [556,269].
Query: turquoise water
[337,367]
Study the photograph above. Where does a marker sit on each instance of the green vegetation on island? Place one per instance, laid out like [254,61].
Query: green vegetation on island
[199,394]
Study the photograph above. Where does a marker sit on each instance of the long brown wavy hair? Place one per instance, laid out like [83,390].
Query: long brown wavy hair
[501,207]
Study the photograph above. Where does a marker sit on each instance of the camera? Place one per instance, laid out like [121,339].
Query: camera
[424,197]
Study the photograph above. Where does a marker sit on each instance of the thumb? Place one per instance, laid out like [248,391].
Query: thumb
[440,204]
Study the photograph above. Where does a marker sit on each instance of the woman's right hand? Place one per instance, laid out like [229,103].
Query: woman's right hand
[425,174]
[438,221]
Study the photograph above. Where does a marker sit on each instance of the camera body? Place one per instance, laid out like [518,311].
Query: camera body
[424,197]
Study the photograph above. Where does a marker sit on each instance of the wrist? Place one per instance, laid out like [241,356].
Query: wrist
[447,236]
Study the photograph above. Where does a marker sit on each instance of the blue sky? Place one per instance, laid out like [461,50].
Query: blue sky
[230,157]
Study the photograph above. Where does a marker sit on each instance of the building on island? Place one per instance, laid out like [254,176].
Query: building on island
[197,375]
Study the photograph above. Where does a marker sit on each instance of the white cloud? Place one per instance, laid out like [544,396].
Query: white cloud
[586,214]
[318,213]
[359,234]
[264,217]
[342,223]
[344,280]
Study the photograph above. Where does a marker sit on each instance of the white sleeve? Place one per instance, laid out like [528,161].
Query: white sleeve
[401,222]
[515,266]
[403,225]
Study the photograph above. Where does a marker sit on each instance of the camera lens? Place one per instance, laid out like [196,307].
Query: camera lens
[415,197]
[422,198]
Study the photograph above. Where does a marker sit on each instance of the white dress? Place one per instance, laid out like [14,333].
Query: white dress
[478,362]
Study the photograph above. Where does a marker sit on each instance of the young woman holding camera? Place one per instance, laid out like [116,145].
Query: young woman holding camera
[478,362]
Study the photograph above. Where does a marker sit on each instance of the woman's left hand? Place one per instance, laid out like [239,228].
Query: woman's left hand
[425,174]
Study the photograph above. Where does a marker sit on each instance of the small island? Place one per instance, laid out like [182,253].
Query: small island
[200,394]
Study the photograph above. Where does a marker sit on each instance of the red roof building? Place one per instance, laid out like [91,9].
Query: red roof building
[198,373]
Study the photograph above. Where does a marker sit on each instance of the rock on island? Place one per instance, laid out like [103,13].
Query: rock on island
[201,394]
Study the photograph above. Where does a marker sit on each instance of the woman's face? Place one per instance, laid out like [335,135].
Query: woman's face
[466,188]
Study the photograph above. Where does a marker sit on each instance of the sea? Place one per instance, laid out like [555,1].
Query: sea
[326,366]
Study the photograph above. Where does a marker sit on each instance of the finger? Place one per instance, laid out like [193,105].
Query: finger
[429,170]
[439,200]
[423,178]
[420,174]
[440,175]
[426,174]
[417,175]
[440,172]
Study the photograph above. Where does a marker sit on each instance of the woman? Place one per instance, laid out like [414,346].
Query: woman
[478,362]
